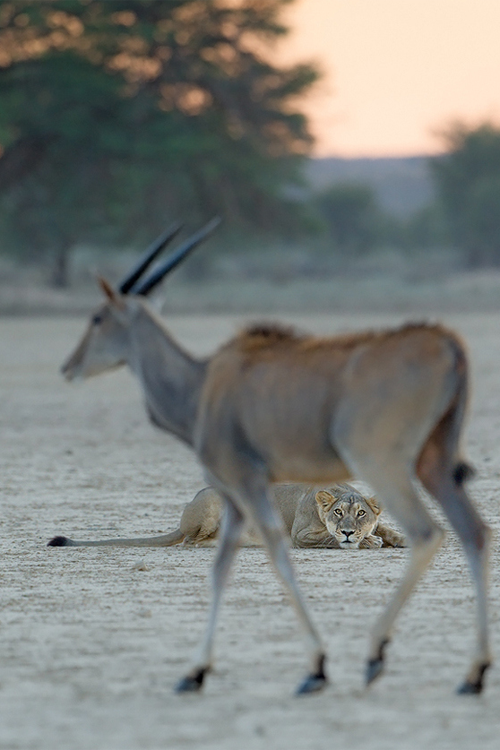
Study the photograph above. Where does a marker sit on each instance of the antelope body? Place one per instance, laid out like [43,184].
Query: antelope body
[272,405]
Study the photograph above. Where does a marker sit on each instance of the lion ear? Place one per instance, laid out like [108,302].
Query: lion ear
[324,499]
[372,502]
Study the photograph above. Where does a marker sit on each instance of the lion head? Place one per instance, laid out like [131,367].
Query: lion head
[348,516]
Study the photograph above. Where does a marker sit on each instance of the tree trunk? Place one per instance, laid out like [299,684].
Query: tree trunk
[60,266]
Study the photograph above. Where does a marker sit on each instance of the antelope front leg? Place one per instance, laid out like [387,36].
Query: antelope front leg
[270,526]
[232,526]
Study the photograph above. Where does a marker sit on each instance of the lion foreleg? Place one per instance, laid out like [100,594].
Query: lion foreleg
[314,538]
[390,537]
[371,541]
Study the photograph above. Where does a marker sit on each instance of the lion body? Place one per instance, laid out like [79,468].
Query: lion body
[311,517]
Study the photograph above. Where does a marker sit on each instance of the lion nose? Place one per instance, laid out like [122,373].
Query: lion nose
[347,534]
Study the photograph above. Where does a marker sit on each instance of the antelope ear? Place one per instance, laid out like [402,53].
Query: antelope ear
[109,292]
[372,502]
[325,500]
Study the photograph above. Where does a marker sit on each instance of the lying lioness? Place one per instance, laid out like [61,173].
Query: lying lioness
[337,518]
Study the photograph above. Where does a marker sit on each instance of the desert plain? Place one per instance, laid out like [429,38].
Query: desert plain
[93,641]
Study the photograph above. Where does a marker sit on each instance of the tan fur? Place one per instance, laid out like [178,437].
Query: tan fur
[308,514]
[353,520]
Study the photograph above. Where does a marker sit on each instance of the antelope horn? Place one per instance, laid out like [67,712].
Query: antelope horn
[176,257]
[151,253]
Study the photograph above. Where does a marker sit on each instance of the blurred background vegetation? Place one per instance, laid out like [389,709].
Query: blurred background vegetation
[118,117]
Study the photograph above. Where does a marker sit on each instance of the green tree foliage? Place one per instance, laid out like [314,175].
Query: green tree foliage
[354,220]
[115,116]
[467,178]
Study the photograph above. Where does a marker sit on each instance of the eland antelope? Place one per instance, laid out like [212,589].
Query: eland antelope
[273,405]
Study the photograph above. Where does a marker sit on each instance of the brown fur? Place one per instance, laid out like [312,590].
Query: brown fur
[271,335]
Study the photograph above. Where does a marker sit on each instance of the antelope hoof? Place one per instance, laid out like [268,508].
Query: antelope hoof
[375,667]
[474,687]
[312,684]
[192,683]
[470,688]
[315,682]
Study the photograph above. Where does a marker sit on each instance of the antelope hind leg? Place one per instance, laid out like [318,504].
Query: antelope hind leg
[475,536]
[425,537]
[232,525]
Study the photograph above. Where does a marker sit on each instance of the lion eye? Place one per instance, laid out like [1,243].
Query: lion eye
[361,513]
[338,512]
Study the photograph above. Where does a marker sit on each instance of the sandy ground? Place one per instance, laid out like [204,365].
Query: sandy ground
[93,641]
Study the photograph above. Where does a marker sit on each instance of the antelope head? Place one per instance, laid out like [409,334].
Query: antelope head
[104,344]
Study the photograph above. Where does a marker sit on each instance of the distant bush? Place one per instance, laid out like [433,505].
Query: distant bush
[467,179]
[423,230]
[354,222]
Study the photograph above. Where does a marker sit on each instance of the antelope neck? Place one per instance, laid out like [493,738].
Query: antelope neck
[170,378]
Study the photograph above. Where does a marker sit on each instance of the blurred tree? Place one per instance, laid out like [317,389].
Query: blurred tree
[354,220]
[54,174]
[467,178]
[423,230]
[116,115]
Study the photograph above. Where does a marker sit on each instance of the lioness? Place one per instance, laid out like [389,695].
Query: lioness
[349,519]
[339,517]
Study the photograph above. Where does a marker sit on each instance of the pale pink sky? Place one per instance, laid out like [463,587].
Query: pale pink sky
[396,71]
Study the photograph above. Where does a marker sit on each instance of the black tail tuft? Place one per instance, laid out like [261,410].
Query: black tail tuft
[58,541]
[462,473]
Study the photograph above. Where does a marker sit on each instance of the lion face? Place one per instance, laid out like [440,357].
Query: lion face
[348,516]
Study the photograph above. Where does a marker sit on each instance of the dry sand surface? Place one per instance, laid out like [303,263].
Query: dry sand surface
[93,641]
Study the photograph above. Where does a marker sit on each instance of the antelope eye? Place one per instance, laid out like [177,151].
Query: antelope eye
[361,513]
[97,320]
